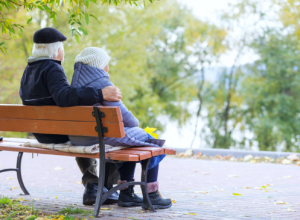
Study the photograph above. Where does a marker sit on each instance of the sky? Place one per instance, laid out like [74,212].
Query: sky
[210,11]
[207,10]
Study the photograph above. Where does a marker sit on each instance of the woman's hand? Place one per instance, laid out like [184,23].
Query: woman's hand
[112,93]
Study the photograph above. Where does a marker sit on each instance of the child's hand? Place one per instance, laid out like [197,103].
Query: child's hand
[112,93]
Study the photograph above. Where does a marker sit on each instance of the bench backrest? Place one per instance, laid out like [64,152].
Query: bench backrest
[77,120]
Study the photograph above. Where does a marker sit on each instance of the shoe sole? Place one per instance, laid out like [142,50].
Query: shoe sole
[128,204]
[110,201]
[144,206]
[92,201]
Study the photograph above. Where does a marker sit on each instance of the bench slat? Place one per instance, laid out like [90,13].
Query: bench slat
[142,154]
[61,127]
[78,113]
[155,151]
[169,151]
[122,157]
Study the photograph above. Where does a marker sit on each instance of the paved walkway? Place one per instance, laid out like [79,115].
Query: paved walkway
[201,189]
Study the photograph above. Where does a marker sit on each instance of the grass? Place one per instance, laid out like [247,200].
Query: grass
[11,209]
[71,211]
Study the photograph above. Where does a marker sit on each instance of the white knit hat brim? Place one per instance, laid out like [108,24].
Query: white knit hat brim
[93,56]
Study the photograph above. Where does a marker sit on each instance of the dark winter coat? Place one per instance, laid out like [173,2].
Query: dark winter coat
[45,83]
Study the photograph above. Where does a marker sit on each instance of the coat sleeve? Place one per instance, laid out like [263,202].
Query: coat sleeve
[129,119]
[64,95]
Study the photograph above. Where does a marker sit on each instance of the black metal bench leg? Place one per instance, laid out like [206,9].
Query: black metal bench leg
[19,174]
[146,199]
[99,199]
[100,129]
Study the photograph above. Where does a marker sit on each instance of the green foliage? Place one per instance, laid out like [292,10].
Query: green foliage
[4,201]
[75,9]
[12,209]
[272,93]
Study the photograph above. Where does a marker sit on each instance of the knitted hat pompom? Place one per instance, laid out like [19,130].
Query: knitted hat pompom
[93,56]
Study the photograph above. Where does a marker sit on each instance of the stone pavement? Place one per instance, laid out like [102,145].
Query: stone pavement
[202,189]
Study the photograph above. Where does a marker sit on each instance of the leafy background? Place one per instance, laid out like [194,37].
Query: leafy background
[161,54]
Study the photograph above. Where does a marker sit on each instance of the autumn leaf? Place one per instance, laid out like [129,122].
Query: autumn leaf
[286,177]
[191,213]
[233,175]
[280,203]
[236,194]
[289,210]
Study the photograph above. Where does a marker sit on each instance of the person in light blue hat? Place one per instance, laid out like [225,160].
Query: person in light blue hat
[91,69]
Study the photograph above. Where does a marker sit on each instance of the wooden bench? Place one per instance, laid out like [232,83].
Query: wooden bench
[82,121]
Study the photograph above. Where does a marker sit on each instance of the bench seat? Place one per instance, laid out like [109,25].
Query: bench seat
[129,154]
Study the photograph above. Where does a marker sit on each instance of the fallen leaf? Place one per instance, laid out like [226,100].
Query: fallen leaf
[247,187]
[56,197]
[14,187]
[58,168]
[267,158]
[293,157]
[78,182]
[201,191]
[104,208]
[280,203]
[173,201]
[233,175]
[37,199]
[191,213]
[286,161]
[298,163]
[248,157]
[289,210]
[286,177]
[236,194]
[188,152]
[221,190]
[196,170]
[8,178]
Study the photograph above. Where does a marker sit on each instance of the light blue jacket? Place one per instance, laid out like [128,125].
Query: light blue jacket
[85,75]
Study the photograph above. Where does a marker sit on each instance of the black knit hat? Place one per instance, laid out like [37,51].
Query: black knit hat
[48,35]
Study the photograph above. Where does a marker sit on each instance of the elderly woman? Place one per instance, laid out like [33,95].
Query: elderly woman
[91,69]
[45,83]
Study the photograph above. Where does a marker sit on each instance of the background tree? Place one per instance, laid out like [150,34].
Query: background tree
[151,57]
